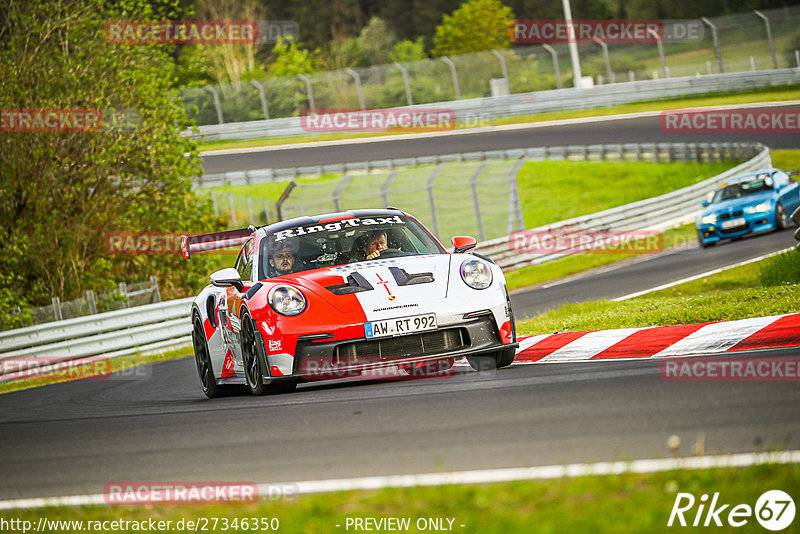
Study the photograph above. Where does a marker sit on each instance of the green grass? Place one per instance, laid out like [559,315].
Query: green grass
[597,504]
[89,370]
[718,99]
[578,263]
[737,293]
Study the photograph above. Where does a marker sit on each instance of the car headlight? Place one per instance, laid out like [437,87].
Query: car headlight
[709,219]
[476,274]
[759,208]
[286,300]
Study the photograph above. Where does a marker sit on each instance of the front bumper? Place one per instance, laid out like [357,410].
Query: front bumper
[318,360]
[755,223]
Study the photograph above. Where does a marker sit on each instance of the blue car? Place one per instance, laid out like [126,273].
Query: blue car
[753,203]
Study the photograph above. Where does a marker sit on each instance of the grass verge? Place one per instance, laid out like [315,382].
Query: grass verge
[601,504]
[753,290]
[718,99]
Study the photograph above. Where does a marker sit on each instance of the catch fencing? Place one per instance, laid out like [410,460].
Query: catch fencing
[749,42]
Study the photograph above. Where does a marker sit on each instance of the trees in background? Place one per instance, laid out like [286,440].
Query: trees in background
[61,192]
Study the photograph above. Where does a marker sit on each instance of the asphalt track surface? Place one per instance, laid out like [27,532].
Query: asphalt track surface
[76,437]
[644,129]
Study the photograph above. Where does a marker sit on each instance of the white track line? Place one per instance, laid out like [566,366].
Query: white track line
[702,275]
[483,476]
[482,129]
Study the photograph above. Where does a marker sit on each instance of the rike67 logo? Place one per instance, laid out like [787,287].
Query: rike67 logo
[774,510]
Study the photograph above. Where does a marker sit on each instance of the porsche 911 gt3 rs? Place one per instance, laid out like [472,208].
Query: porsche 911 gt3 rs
[354,291]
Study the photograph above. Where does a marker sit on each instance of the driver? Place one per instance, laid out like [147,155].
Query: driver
[282,259]
[370,245]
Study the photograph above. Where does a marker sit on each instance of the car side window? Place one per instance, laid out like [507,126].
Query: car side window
[244,263]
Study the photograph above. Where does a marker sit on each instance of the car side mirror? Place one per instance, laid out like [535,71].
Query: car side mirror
[705,203]
[227,277]
[463,243]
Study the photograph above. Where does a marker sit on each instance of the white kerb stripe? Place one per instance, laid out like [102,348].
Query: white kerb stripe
[589,345]
[717,337]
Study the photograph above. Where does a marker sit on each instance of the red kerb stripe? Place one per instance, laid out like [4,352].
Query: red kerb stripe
[785,332]
[550,344]
[649,341]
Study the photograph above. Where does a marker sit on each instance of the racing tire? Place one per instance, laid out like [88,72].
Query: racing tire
[702,242]
[202,358]
[507,357]
[254,366]
[780,219]
[485,362]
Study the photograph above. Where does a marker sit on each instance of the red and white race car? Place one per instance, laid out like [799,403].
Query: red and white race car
[354,291]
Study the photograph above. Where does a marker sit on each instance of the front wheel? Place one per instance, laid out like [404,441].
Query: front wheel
[253,366]
[780,219]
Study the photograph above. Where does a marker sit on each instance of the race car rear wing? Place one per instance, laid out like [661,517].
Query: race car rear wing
[214,241]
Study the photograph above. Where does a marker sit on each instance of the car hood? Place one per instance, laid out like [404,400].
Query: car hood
[738,202]
[396,286]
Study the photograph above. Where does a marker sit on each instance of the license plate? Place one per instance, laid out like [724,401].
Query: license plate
[733,223]
[400,326]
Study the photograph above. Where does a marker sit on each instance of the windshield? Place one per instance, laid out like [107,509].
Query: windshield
[325,244]
[756,185]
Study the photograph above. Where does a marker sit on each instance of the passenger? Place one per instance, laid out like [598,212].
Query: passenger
[282,259]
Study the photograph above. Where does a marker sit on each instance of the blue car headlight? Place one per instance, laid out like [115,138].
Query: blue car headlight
[476,274]
[709,219]
[759,208]
[286,300]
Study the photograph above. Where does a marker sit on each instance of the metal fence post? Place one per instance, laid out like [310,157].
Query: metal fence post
[357,78]
[454,74]
[503,65]
[763,17]
[57,309]
[434,175]
[337,193]
[263,98]
[554,55]
[266,210]
[515,205]
[309,92]
[282,199]
[250,209]
[660,52]
[404,71]
[123,290]
[715,38]
[216,103]
[473,182]
[91,302]
[386,185]
[156,292]
[604,46]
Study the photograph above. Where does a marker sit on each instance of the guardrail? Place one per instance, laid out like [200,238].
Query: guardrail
[671,209]
[165,325]
[489,108]
[118,333]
